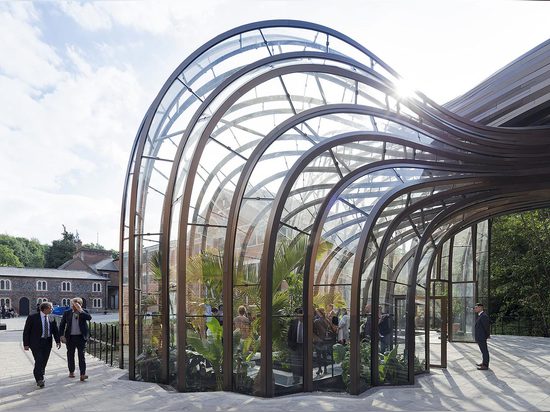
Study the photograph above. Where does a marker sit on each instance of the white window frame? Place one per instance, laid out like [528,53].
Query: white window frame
[65,302]
[97,304]
[42,285]
[6,302]
[39,301]
[66,286]
[5,284]
[96,287]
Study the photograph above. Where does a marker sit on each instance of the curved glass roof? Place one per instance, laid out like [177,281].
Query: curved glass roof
[280,131]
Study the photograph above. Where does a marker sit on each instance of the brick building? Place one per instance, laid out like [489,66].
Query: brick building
[97,262]
[24,288]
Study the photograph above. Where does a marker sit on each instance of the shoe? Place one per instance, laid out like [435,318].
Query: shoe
[71,374]
[482,368]
[479,364]
[319,372]
[83,377]
[40,384]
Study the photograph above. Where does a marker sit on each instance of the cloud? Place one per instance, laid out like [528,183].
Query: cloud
[77,78]
[86,214]
[148,16]
[90,16]
[65,138]
[24,55]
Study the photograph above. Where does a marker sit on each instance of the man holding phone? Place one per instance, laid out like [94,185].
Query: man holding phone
[74,333]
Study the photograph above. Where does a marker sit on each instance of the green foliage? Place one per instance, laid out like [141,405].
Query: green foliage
[154,266]
[295,283]
[8,258]
[210,348]
[520,267]
[92,245]
[61,250]
[393,367]
[206,268]
[30,253]
[342,353]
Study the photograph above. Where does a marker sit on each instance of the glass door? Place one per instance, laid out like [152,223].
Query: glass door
[438,331]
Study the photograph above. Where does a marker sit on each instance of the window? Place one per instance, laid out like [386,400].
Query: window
[6,302]
[5,284]
[42,300]
[96,287]
[97,303]
[41,285]
[66,286]
[65,302]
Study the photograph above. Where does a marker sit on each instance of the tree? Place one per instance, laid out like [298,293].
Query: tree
[520,267]
[92,245]
[61,250]
[8,258]
[29,252]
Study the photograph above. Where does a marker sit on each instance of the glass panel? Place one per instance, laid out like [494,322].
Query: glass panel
[149,337]
[287,302]
[365,330]
[462,314]
[393,361]
[438,324]
[204,321]
[463,264]
[445,260]
[482,262]
[246,293]
[173,297]
[420,332]
[124,321]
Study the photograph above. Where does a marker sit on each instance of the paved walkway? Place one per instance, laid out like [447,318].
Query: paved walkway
[518,381]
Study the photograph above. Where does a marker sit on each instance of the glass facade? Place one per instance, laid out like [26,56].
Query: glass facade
[291,223]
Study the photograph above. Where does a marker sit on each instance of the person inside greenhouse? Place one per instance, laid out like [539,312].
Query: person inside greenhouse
[343,327]
[242,322]
[385,330]
[295,340]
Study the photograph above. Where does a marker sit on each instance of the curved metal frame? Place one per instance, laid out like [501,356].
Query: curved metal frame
[476,155]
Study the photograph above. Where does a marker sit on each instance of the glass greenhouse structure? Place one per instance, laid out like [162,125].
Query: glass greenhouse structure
[292,221]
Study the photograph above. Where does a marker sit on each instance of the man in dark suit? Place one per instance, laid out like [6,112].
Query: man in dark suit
[295,340]
[482,332]
[74,332]
[37,336]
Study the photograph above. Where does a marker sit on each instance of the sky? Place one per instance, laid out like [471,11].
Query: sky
[76,79]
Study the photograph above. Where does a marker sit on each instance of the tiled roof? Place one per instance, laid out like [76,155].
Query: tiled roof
[49,273]
[106,265]
[79,262]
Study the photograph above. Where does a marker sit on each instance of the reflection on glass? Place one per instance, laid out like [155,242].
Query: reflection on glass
[204,322]
[462,313]
[287,306]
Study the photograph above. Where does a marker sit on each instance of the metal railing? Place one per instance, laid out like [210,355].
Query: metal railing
[517,325]
[103,342]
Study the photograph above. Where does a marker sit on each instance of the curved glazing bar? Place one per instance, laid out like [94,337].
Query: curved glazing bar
[479,207]
[278,169]
[191,80]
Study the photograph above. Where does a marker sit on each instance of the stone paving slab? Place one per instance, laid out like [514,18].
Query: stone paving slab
[519,380]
